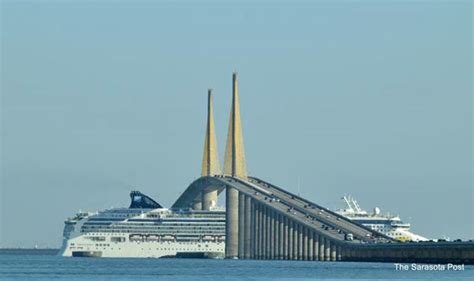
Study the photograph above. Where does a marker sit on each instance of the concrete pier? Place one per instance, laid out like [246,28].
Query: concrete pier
[327,249]
[295,241]
[258,229]
[253,229]
[241,224]
[275,235]
[232,223]
[316,246]
[247,227]
[290,239]
[305,243]
[209,199]
[260,236]
[333,251]
[310,245]
[321,248]
[267,233]
[197,205]
[281,237]
[300,242]
[286,241]
[262,232]
[261,247]
[272,234]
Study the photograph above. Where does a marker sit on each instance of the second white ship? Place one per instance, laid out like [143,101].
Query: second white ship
[389,225]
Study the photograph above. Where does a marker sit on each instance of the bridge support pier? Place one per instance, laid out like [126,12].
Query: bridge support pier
[197,205]
[241,224]
[276,235]
[333,251]
[253,229]
[262,232]
[321,247]
[209,199]
[285,238]
[263,224]
[290,239]
[353,254]
[281,237]
[295,241]
[300,242]
[310,245]
[316,246]
[266,233]
[305,243]
[247,226]
[272,234]
[327,249]
[232,222]
[258,229]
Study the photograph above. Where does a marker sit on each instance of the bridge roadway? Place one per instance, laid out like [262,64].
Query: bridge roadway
[270,200]
[326,221]
[325,215]
[311,215]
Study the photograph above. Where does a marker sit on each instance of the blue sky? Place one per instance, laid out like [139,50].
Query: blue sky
[345,97]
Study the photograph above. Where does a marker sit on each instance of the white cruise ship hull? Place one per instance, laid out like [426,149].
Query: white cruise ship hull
[81,247]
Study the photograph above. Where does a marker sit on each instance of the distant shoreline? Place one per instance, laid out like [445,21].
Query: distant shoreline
[29,251]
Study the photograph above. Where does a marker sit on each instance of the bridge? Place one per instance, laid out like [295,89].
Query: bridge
[264,221]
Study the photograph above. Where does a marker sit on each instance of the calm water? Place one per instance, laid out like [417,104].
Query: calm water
[47,267]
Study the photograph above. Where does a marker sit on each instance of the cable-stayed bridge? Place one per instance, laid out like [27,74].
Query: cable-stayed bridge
[264,221]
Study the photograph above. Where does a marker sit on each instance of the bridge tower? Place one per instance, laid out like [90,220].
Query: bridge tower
[234,165]
[234,162]
[210,159]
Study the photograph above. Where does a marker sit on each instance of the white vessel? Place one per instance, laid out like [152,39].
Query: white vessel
[145,229]
[384,223]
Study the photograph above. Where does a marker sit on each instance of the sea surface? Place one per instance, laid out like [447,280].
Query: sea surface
[34,265]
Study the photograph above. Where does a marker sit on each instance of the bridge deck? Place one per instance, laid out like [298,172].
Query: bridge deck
[312,215]
[315,222]
[323,214]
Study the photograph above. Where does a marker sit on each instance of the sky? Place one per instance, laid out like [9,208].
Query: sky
[371,99]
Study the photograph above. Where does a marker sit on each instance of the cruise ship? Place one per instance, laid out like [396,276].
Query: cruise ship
[145,229]
[387,224]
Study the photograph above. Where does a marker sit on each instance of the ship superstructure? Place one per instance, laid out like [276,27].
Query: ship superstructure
[387,224]
[145,229]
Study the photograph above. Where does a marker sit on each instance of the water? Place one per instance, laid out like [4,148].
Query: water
[34,266]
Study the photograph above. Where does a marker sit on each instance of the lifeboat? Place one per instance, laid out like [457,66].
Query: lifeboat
[136,237]
[208,238]
[152,238]
[168,238]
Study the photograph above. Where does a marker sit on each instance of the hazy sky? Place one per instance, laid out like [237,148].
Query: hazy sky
[361,98]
